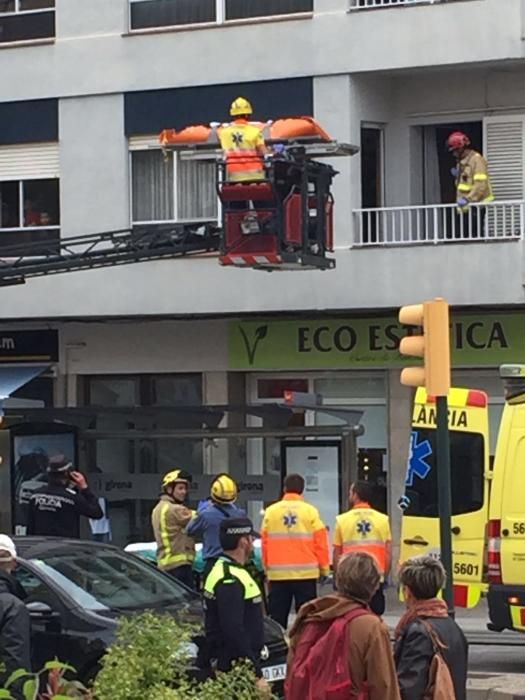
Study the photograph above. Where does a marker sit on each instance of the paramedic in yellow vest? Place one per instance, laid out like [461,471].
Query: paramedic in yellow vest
[175,549]
[243,145]
[295,550]
[472,181]
[363,529]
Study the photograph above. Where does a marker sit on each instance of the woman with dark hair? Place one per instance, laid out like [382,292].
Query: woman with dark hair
[427,628]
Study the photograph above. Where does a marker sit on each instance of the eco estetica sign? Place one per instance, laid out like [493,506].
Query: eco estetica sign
[479,340]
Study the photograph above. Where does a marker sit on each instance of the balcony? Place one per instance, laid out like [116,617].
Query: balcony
[439,224]
[382,4]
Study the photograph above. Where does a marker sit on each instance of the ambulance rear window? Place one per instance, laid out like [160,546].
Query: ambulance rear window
[467,467]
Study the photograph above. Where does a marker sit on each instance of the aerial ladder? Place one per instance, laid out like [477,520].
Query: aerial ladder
[284,222]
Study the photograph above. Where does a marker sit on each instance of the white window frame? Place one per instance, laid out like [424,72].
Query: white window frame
[18,11]
[153,145]
[220,19]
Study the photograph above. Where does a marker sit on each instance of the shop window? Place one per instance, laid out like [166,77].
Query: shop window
[166,188]
[29,211]
[40,389]
[148,14]
[26,20]
[276,388]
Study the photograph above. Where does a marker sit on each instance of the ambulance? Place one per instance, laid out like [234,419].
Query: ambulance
[506,527]
[468,422]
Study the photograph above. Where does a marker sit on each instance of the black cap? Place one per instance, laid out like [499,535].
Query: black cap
[58,464]
[232,529]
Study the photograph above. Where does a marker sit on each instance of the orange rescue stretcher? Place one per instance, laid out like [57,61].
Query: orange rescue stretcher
[280,130]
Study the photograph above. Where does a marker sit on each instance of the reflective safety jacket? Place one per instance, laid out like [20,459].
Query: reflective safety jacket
[233,615]
[363,529]
[243,146]
[473,182]
[294,541]
[174,547]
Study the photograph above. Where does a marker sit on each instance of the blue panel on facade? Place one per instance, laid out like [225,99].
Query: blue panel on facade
[28,122]
[150,112]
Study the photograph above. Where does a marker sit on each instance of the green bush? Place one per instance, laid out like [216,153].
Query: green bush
[149,660]
[23,684]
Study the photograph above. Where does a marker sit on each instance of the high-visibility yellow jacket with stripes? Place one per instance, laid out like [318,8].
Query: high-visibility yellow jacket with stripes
[294,541]
[363,529]
[174,547]
[473,181]
[243,145]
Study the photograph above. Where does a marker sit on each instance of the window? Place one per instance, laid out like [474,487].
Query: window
[148,14]
[26,20]
[166,188]
[467,460]
[29,211]
[29,204]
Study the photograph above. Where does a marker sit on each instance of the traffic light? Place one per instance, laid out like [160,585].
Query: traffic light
[433,346]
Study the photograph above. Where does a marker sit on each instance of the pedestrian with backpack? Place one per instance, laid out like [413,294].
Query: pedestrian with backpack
[339,649]
[431,651]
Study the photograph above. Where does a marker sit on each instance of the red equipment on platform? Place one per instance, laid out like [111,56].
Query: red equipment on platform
[283,222]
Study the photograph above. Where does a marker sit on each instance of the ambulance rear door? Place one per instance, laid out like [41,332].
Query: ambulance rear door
[469,452]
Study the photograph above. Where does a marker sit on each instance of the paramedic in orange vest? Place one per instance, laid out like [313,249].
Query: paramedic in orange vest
[363,529]
[243,145]
[295,550]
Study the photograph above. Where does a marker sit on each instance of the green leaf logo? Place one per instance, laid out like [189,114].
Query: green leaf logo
[251,345]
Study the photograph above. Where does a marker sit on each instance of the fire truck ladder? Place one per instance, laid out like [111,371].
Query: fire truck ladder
[121,247]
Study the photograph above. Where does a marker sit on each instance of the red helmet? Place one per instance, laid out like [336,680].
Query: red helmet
[457,141]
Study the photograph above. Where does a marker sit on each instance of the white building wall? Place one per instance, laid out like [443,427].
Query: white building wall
[93,54]
[94,165]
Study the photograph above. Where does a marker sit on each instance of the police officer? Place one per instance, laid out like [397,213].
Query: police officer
[233,602]
[55,510]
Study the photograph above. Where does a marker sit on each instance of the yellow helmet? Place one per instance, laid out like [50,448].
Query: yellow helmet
[177,476]
[240,106]
[224,489]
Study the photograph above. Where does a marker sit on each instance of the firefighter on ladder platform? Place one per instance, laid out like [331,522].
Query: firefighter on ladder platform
[243,145]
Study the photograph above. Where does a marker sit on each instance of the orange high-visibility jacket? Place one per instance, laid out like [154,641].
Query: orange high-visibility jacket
[294,541]
[243,145]
[363,529]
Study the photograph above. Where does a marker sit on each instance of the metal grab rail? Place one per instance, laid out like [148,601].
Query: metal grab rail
[439,224]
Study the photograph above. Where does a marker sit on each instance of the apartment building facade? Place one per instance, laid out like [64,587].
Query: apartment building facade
[85,88]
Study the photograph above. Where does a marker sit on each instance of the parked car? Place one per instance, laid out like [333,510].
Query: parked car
[76,592]
[148,550]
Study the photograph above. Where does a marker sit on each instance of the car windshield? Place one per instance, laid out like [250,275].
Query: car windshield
[110,580]
[467,467]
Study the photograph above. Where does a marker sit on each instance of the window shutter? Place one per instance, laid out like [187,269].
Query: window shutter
[504,148]
[34,161]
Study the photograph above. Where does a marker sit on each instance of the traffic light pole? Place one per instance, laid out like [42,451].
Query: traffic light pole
[445,496]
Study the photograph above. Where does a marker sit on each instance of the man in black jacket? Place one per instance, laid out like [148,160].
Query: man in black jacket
[233,602]
[15,625]
[426,617]
[55,510]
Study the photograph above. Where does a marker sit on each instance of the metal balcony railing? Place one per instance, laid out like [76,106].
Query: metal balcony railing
[373,4]
[439,224]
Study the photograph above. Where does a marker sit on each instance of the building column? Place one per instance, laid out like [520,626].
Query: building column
[215,452]
[399,424]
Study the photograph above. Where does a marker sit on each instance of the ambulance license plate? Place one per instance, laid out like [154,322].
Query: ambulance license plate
[275,673]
